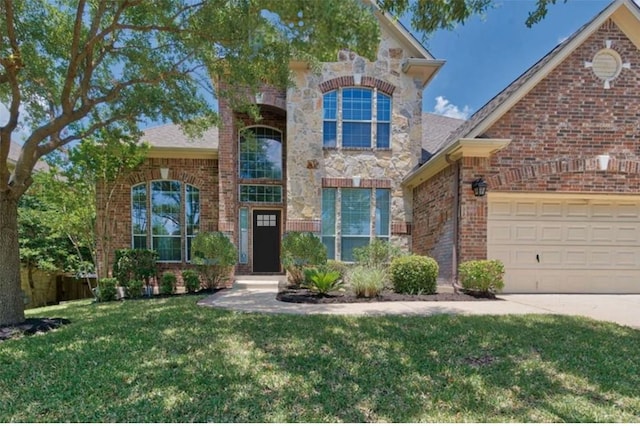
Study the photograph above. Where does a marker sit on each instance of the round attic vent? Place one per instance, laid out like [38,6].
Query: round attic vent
[607,64]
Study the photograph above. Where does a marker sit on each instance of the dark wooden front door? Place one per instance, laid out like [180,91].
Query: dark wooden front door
[266,241]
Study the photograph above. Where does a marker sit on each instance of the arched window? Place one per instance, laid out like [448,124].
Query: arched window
[174,223]
[261,162]
[364,116]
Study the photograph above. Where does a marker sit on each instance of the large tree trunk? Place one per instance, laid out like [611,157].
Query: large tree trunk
[11,301]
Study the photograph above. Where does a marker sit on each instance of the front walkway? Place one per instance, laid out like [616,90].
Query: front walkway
[622,309]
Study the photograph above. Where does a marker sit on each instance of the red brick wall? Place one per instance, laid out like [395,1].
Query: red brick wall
[556,132]
[202,173]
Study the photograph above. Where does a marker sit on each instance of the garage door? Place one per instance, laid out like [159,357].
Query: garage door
[566,244]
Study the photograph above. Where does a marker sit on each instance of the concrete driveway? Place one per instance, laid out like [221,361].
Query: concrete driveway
[621,309]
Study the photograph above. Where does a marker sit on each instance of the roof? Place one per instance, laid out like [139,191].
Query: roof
[498,105]
[171,136]
[436,129]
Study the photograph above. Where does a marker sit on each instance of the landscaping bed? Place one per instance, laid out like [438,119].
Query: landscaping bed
[301,295]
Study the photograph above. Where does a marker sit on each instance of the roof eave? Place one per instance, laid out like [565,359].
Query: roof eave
[424,69]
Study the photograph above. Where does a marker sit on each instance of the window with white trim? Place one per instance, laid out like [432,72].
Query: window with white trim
[352,218]
[173,223]
[362,121]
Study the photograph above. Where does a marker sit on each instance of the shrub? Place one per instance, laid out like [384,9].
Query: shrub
[106,290]
[379,253]
[322,281]
[414,274]
[135,264]
[191,280]
[134,288]
[483,276]
[301,250]
[336,265]
[367,281]
[214,256]
[168,283]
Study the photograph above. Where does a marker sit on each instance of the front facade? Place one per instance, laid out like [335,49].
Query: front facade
[347,154]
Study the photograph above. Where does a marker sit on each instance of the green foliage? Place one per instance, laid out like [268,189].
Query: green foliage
[414,274]
[336,265]
[138,264]
[322,281]
[214,256]
[484,276]
[367,281]
[134,288]
[299,251]
[168,283]
[106,290]
[379,253]
[191,280]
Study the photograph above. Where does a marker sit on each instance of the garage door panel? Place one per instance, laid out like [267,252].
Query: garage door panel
[567,246]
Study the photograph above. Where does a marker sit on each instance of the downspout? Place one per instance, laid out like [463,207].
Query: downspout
[456,220]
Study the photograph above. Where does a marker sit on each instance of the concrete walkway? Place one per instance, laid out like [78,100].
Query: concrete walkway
[621,309]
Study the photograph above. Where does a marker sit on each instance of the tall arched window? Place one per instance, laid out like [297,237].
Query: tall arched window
[260,167]
[173,210]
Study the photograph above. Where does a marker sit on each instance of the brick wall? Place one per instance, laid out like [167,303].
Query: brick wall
[202,173]
[556,132]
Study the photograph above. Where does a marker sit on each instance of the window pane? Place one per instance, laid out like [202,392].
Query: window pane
[192,216]
[383,107]
[261,193]
[261,154]
[382,212]
[350,243]
[139,241]
[168,248]
[330,105]
[329,134]
[356,135]
[165,207]
[328,211]
[382,135]
[244,235]
[139,215]
[330,244]
[356,104]
[356,213]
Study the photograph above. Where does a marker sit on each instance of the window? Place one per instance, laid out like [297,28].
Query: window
[261,193]
[365,116]
[160,203]
[363,213]
[261,153]
[243,241]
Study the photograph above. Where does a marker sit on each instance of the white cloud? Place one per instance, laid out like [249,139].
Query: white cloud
[446,108]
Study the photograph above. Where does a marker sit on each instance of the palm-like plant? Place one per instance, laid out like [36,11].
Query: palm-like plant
[322,281]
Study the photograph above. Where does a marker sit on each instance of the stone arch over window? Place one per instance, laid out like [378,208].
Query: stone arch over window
[365,81]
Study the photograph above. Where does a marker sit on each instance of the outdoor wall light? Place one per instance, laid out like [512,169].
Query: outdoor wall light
[479,187]
[164,173]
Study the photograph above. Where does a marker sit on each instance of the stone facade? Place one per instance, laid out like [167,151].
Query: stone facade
[556,130]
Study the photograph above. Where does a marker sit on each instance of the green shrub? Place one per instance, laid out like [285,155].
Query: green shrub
[135,264]
[168,283]
[414,274]
[322,281]
[134,288]
[214,256]
[367,281]
[106,290]
[379,253]
[336,265]
[301,250]
[483,276]
[191,280]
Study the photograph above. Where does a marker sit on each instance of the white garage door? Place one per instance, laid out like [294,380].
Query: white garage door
[566,244]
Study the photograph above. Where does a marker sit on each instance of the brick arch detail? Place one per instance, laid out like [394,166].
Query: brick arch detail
[149,175]
[348,81]
[561,166]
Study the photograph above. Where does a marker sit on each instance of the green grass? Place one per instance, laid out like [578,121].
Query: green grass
[167,360]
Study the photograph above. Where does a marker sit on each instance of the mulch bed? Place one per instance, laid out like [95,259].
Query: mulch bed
[31,326]
[294,295]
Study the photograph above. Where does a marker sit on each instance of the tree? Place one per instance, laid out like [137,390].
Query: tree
[69,68]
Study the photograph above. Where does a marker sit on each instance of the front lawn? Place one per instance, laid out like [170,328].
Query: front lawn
[167,360]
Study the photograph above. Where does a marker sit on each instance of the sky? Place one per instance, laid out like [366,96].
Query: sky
[487,53]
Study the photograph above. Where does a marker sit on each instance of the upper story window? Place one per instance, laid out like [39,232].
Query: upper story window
[174,222]
[261,153]
[363,115]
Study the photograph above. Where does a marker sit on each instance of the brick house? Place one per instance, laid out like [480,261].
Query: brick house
[347,154]
[559,151]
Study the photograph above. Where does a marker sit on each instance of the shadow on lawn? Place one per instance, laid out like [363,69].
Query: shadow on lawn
[175,362]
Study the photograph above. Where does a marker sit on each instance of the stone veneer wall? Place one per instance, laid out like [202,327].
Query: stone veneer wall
[308,162]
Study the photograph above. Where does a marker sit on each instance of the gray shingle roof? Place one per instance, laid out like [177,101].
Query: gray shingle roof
[171,136]
[436,129]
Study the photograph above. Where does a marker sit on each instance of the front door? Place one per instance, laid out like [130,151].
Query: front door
[266,241]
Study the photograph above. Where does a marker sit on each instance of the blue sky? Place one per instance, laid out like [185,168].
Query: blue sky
[487,53]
